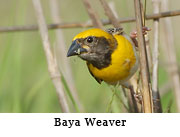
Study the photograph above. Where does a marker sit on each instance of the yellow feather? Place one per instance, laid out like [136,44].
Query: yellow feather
[122,61]
[93,32]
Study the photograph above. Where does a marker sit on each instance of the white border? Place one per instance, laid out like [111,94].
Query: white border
[42,125]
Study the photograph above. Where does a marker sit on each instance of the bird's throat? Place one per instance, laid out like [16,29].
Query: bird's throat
[102,61]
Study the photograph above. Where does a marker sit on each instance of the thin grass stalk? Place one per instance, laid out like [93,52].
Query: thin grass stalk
[93,15]
[60,49]
[145,78]
[87,23]
[155,59]
[51,60]
[170,53]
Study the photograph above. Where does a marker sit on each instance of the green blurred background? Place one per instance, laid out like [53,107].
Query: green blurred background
[25,85]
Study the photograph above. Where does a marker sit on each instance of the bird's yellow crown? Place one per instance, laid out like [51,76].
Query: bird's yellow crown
[93,32]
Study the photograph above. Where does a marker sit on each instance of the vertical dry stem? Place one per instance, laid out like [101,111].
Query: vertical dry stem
[170,53]
[113,8]
[149,53]
[155,51]
[93,15]
[51,61]
[148,49]
[146,92]
[110,14]
[60,49]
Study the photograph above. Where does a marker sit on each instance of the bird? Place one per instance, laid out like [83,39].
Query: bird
[111,55]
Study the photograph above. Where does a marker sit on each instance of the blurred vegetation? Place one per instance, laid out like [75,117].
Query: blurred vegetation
[25,85]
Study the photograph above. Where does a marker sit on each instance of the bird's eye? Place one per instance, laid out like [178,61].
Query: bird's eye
[90,39]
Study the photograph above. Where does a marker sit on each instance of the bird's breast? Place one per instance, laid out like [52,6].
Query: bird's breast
[123,61]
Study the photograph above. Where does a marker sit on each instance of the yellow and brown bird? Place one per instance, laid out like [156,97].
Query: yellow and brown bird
[110,55]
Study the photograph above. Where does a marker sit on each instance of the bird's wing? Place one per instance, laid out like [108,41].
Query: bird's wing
[115,31]
[97,79]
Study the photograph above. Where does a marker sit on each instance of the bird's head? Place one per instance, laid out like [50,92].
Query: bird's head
[93,45]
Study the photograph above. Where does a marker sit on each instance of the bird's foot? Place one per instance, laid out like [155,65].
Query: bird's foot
[133,34]
[138,98]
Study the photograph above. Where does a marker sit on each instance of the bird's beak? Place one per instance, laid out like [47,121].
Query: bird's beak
[75,49]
